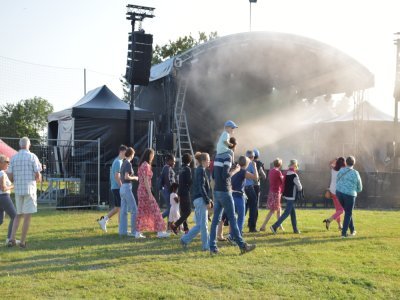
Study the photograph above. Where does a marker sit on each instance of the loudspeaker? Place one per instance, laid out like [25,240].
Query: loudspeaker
[165,141]
[139,59]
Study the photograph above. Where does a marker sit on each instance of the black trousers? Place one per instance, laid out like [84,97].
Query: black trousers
[252,204]
[185,210]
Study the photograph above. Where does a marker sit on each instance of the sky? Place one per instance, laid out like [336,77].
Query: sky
[46,44]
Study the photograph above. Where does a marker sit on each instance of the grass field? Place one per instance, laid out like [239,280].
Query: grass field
[68,256]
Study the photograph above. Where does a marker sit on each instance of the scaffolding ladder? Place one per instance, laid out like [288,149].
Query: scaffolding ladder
[181,130]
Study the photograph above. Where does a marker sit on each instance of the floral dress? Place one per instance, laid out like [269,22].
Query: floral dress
[149,217]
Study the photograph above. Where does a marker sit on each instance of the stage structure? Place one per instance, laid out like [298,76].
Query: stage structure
[242,75]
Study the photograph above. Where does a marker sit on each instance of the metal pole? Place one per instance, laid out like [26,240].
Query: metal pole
[98,171]
[84,81]
[132,102]
[250,17]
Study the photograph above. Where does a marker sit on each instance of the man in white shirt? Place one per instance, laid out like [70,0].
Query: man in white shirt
[24,171]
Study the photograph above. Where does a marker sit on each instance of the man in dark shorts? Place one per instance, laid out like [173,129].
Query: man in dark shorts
[115,180]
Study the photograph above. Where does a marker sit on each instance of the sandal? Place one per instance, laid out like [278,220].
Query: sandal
[222,239]
[327,223]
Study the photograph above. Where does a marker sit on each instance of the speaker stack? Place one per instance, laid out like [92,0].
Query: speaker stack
[140,52]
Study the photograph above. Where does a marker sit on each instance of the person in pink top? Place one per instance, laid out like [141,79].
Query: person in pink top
[275,178]
[335,165]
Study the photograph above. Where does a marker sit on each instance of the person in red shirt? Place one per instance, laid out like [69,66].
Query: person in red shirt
[275,178]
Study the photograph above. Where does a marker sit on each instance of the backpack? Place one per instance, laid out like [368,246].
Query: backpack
[160,180]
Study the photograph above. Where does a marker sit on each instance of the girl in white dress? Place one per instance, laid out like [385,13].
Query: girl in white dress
[174,214]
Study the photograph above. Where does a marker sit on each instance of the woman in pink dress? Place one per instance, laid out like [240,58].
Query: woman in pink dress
[275,178]
[149,217]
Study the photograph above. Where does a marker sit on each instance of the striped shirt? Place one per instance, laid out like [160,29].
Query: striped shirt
[23,167]
[222,178]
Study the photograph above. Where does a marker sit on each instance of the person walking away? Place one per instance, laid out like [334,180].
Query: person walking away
[223,200]
[24,171]
[252,203]
[115,180]
[348,184]
[174,212]
[202,202]
[149,217]
[335,166]
[275,178]
[261,175]
[128,202]
[6,204]
[238,182]
[168,177]
[185,183]
[292,185]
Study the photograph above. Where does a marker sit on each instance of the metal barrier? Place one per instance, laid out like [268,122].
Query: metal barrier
[71,172]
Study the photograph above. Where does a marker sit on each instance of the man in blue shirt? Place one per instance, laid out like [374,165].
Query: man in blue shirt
[252,199]
[115,180]
[223,200]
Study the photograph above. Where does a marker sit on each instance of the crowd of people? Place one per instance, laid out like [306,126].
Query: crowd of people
[225,188]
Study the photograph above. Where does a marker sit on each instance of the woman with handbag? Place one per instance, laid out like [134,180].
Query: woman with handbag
[335,165]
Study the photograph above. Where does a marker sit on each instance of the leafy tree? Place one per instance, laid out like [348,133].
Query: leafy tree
[179,46]
[126,87]
[25,118]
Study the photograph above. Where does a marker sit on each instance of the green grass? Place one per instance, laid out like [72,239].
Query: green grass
[69,257]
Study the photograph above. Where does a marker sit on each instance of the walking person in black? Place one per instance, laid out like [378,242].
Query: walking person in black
[291,187]
[185,183]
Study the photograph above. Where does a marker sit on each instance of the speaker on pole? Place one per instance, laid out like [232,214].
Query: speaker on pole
[140,52]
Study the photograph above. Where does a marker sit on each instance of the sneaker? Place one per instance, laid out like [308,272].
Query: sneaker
[214,251]
[297,232]
[17,242]
[103,224]
[354,233]
[184,245]
[11,243]
[139,235]
[162,234]
[247,248]
[273,229]
[231,241]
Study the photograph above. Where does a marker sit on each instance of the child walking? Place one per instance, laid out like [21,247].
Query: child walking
[174,213]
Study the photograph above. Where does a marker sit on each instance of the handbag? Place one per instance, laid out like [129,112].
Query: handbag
[328,194]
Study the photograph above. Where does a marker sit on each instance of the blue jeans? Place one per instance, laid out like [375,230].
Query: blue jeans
[165,195]
[289,210]
[252,203]
[223,201]
[240,207]
[201,213]
[128,205]
[347,203]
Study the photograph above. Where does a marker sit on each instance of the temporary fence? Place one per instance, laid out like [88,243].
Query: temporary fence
[71,176]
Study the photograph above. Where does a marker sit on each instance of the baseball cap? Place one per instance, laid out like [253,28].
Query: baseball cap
[250,153]
[231,124]
[256,152]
